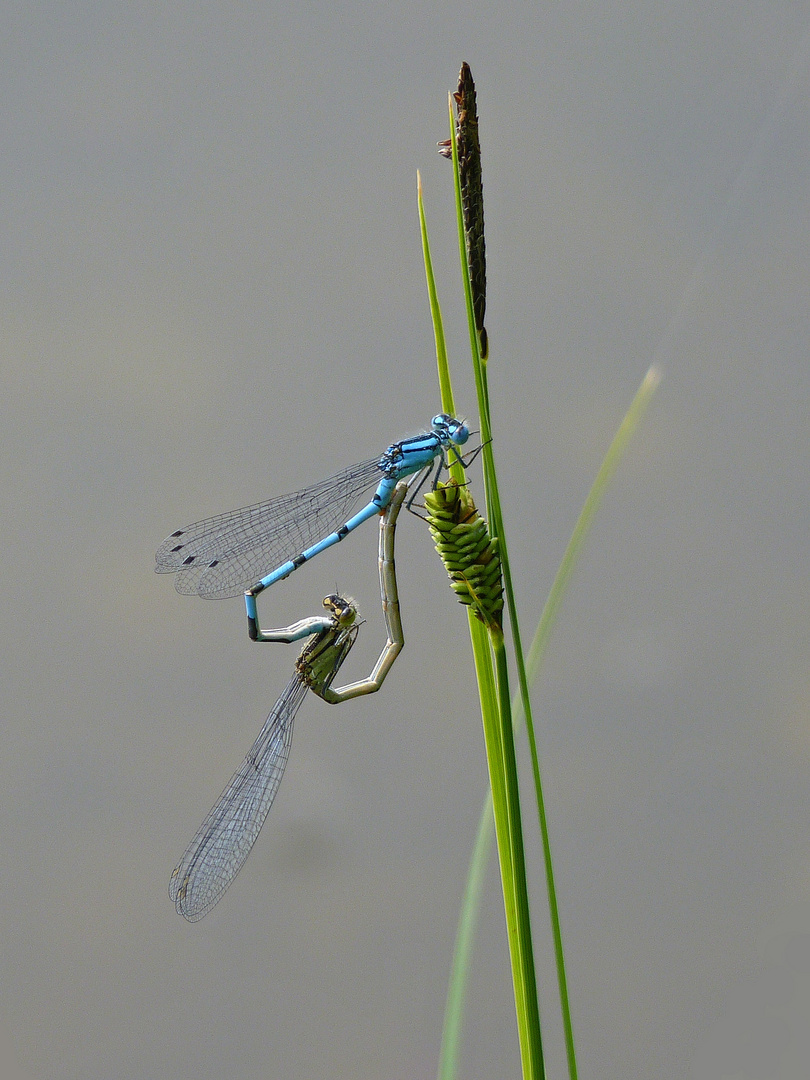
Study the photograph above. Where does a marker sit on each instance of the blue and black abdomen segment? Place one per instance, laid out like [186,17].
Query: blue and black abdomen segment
[231,553]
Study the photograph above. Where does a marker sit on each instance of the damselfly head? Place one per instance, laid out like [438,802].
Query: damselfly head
[343,609]
[449,429]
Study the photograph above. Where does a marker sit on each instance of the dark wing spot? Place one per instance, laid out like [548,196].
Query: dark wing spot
[188,561]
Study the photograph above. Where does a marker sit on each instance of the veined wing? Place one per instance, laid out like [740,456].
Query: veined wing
[223,841]
[224,555]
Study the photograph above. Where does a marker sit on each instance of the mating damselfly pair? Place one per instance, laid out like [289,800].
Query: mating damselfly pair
[223,555]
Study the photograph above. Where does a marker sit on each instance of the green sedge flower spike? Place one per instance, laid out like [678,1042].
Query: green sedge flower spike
[467,550]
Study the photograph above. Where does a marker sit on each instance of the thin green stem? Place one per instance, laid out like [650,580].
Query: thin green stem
[494,695]
[526,984]
[494,514]
[526,670]
[445,385]
[536,653]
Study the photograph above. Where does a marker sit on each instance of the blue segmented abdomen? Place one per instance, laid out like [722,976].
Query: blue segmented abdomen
[224,555]
[251,548]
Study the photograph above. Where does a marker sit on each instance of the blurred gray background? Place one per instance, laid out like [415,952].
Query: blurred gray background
[213,292]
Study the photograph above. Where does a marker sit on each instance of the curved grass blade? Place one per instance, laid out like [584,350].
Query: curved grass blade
[483,843]
[493,691]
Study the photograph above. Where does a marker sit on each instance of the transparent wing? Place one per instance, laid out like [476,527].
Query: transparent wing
[223,841]
[224,555]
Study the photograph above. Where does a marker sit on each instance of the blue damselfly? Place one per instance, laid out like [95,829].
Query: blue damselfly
[251,548]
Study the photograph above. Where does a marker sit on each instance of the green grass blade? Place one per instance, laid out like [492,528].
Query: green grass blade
[537,649]
[494,695]
[495,520]
[524,978]
[527,669]
[445,386]
[616,450]
[462,953]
